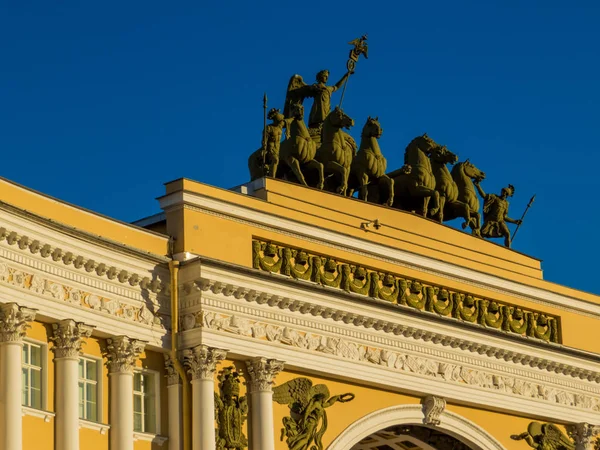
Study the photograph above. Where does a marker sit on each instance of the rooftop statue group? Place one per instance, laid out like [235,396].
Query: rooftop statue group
[324,156]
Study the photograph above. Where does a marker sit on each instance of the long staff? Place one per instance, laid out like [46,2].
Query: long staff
[522,217]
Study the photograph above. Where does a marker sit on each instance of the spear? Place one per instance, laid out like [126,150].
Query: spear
[523,216]
[264,139]
[359,48]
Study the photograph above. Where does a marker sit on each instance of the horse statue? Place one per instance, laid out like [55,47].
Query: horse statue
[444,184]
[298,150]
[368,166]
[337,150]
[463,175]
[414,183]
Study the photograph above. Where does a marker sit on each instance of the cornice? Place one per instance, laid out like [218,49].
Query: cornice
[398,257]
[311,316]
[33,250]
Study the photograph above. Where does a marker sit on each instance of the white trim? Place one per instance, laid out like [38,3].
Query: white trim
[100,427]
[461,428]
[46,415]
[376,251]
[150,437]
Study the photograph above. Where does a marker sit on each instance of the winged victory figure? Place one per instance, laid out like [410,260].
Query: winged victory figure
[307,423]
[545,436]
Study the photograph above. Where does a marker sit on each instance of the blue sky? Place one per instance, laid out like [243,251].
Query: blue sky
[104,102]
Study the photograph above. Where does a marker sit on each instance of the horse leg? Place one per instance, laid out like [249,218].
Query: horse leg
[316,165]
[442,203]
[436,203]
[390,185]
[294,164]
[342,172]
[364,183]
[475,223]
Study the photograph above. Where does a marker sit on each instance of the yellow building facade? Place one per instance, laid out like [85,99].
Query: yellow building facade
[400,332]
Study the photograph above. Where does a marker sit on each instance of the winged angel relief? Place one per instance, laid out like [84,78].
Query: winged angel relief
[305,427]
[545,436]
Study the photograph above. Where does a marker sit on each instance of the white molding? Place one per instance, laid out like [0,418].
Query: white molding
[102,428]
[150,437]
[373,250]
[455,425]
[302,304]
[46,415]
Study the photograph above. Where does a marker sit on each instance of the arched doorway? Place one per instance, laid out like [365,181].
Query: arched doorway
[404,426]
[410,437]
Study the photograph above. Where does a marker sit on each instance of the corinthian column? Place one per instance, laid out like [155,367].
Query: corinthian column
[201,362]
[68,338]
[583,434]
[261,372]
[122,353]
[174,404]
[13,324]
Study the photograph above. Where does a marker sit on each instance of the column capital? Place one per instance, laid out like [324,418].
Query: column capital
[171,373]
[261,372]
[14,321]
[122,352]
[201,361]
[583,434]
[67,336]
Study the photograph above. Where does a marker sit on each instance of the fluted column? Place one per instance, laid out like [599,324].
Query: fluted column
[201,362]
[13,324]
[261,372]
[68,337]
[584,435]
[174,404]
[122,353]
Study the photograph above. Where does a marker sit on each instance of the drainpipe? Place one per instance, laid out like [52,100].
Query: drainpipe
[174,270]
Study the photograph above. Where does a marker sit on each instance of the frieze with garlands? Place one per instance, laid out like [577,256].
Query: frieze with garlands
[327,271]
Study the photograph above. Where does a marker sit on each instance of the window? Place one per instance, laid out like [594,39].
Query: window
[31,375]
[88,389]
[144,402]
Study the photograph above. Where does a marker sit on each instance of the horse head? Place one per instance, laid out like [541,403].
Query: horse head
[440,154]
[339,119]
[471,171]
[423,143]
[372,128]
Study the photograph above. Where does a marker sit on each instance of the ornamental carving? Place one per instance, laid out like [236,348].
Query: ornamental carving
[14,321]
[433,407]
[122,353]
[546,436]
[260,373]
[584,436]
[64,293]
[201,361]
[307,423]
[170,371]
[401,361]
[231,411]
[68,337]
[327,271]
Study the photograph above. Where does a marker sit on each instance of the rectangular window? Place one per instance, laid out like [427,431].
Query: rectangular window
[144,402]
[88,389]
[31,375]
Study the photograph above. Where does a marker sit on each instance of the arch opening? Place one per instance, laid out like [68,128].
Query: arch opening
[405,427]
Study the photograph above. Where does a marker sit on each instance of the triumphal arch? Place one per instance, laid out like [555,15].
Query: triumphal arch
[324,304]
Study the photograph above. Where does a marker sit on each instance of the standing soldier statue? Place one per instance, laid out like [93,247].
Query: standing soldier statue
[495,213]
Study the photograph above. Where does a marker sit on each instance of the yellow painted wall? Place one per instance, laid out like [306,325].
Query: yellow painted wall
[368,400]
[76,217]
